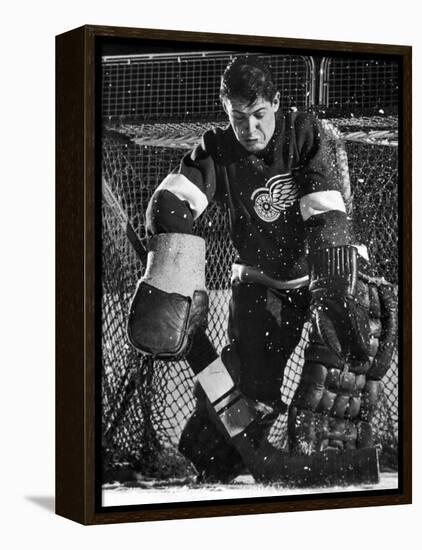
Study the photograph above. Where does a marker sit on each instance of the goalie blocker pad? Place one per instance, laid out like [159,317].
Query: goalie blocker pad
[160,324]
[267,464]
[170,302]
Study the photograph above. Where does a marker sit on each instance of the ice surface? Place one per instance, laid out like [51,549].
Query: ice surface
[146,492]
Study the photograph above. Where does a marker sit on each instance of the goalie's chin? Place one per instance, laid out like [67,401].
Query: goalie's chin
[253,145]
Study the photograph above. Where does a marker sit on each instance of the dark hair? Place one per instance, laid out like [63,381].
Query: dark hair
[247,77]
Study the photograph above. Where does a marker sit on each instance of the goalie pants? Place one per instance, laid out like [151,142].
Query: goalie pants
[264,327]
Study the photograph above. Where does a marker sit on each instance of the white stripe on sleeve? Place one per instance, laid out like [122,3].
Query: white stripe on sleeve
[320,202]
[185,190]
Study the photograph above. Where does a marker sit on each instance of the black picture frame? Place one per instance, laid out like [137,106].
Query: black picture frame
[78,315]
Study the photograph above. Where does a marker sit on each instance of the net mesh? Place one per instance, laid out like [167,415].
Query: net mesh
[356,86]
[144,403]
[181,86]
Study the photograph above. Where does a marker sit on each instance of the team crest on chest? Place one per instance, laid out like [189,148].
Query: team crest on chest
[279,193]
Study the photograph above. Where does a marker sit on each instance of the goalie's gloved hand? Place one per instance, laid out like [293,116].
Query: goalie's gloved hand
[170,302]
[340,311]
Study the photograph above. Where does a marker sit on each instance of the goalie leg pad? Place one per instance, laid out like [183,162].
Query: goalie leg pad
[387,338]
[214,457]
[335,402]
[326,404]
[218,458]
[264,462]
[222,415]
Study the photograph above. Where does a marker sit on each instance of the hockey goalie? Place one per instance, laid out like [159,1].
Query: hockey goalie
[296,261]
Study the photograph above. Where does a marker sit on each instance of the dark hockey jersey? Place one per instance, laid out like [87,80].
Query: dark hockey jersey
[280,201]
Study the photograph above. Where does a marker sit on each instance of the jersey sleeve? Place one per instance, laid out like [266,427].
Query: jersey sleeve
[194,181]
[321,203]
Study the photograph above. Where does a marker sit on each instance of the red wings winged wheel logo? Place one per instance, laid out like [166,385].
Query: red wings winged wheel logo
[280,192]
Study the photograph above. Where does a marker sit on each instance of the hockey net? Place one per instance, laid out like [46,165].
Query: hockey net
[145,403]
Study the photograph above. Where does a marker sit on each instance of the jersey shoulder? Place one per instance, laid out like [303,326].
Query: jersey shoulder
[303,122]
[208,145]
[218,136]
[305,132]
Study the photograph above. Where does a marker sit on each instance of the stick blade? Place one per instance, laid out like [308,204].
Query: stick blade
[323,469]
[330,468]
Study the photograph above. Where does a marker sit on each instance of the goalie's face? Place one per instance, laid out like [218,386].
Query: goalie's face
[252,123]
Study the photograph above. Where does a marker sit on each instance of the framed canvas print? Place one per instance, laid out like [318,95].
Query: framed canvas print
[233,274]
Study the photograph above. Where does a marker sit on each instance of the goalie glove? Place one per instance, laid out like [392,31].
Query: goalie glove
[170,302]
[337,305]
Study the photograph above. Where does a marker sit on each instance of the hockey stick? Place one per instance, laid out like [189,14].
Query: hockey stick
[334,135]
[268,464]
[128,385]
[123,219]
[234,414]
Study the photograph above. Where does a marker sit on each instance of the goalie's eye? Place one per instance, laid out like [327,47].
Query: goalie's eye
[260,114]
